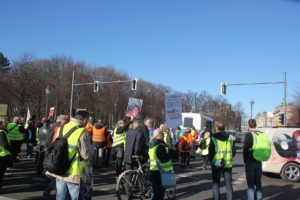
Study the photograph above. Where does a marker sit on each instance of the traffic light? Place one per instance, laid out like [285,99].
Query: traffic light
[223,88]
[96,86]
[133,84]
[281,119]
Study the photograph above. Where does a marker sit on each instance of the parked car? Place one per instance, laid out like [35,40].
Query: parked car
[237,138]
[285,155]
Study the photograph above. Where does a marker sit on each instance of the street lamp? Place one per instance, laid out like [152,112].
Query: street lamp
[251,106]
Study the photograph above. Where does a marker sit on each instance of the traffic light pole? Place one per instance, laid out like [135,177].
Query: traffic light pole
[133,81]
[224,85]
[285,122]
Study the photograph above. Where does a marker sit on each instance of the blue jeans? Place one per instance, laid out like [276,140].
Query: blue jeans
[216,176]
[253,174]
[63,187]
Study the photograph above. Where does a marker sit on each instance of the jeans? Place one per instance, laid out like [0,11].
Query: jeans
[63,187]
[98,156]
[29,149]
[216,176]
[193,149]
[253,174]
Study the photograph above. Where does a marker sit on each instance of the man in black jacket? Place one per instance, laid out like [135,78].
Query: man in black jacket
[215,151]
[134,145]
[253,168]
[145,127]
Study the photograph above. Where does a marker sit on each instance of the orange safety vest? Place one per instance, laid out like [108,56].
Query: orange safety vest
[98,135]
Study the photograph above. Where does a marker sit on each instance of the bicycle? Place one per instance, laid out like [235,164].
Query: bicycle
[132,184]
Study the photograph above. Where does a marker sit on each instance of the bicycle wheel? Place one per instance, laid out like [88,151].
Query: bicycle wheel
[170,193]
[123,185]
[138,186]
[130,185]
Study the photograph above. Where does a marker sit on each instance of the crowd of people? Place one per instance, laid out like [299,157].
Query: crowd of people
[93,145]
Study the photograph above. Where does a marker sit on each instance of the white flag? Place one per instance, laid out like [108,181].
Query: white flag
[27,118]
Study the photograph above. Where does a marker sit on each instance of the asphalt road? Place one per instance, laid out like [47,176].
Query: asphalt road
[22,182]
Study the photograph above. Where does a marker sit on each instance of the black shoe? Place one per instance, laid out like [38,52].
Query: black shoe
[46,193]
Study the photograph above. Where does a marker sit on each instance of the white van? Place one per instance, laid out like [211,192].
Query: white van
[285,156]
[197,120]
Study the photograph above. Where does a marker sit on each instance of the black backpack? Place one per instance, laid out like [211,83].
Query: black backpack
[56,156]
[203,144]
[185,145]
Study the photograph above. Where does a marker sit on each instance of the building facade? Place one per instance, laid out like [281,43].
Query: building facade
[273,119]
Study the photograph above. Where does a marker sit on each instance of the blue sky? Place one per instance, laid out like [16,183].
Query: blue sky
[187,45]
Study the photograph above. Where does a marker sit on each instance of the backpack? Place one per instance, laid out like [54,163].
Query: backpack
[261,146]
[203,144]
[56,157]
[185,145]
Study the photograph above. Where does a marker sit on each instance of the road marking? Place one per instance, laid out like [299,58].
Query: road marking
[104,189]
[5,198]
[238,182]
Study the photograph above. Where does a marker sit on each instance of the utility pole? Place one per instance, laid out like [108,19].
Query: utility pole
[251,106]
[47,91]
[72,91]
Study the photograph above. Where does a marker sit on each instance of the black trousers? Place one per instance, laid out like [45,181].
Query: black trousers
[183,156]
[5,161]
[16,148]
[158,190]
[119,160]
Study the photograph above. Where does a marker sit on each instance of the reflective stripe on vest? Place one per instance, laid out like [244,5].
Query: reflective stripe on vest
[98,135]
[165,136]
[223,150]
[76,168]
[118,138]
[13,132]
[154,161]
[3,150]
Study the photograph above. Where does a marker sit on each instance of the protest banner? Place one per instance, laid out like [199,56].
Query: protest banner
[173,109]
[134,107]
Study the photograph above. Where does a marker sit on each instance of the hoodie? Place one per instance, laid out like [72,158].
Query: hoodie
[223,136]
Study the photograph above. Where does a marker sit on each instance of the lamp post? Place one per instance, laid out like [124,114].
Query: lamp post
[251,106]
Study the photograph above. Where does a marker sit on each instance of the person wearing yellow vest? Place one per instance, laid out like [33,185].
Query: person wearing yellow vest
[161,155]
[194,134]
[119,137]
[221,151]
[15,137]
[98,139]
[5,150]
[204,152]
[80,147]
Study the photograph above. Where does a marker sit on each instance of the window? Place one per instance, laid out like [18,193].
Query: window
[188,122]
